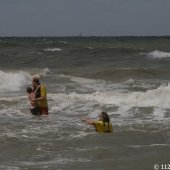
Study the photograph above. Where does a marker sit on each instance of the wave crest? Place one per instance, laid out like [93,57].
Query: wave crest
[53,49]
[152,98]
[159,54]
[13,81]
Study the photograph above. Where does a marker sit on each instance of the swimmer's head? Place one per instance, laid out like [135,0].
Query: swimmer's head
[35,81]
[104,117]
[29,90]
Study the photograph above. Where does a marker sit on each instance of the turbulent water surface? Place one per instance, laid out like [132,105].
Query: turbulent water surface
[128,77]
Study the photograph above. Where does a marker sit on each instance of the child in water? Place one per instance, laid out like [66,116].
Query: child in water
[31,97]
[101,125]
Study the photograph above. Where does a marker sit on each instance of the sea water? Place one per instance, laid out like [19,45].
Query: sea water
[128,77]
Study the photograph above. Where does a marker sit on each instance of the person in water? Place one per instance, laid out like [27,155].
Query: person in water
[101,125]
[31,97]
[40,95]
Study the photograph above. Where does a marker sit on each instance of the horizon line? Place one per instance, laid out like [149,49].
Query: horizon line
[91,36]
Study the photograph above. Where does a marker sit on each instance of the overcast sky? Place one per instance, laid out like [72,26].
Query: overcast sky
[86,17]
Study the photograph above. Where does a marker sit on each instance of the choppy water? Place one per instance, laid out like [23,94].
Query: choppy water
[127,77]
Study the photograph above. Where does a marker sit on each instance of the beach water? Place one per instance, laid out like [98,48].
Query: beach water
[128,77]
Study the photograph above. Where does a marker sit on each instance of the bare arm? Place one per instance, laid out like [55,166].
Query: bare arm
[43,93]
[89,121]
[40,98]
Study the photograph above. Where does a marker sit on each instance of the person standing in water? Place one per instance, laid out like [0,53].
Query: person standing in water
[31,97]
[101,125]
[40,95]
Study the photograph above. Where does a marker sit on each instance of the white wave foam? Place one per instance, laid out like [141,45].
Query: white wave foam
[90,48]
[87,84]
[152,98]
[103,95]
[13,81]
[53,49]
[11,99]
[159,54]
[44,72]
[130,81]
[58,160]
[152,145]
[63,42]
[80,135]
[9,167]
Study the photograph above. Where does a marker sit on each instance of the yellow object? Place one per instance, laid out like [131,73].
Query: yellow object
[43,93]
[100,127]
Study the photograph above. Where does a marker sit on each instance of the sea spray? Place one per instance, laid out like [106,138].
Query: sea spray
[13,81]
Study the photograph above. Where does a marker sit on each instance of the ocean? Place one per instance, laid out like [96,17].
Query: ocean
[127,77]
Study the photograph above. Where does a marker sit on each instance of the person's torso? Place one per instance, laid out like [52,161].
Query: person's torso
[41,92]
[100,127]
[31,98]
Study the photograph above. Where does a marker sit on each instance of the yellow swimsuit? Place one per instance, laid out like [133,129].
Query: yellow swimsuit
[100,127]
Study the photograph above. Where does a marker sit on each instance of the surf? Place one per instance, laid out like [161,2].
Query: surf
[13,81]
[158,54]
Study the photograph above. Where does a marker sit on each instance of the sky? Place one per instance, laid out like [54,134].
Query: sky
[84,17]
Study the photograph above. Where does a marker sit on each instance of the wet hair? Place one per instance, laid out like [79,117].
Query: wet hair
[105,119]
[29,90]
[36,80]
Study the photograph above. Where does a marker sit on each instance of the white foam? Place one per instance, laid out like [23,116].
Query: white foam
[81,134]
[11,99]
[45,72]
[57,160]
[159,54]
[63,42]
[152,98]
[130,81]
[53,49]
[13,81]
[97,85]
[90,48]
[152,145]
[158,114]
[9,167]
[107,95]
[41,73]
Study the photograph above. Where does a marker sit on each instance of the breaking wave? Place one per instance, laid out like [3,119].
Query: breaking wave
[13,81]
[152,98]
[53,49]
[159,54]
